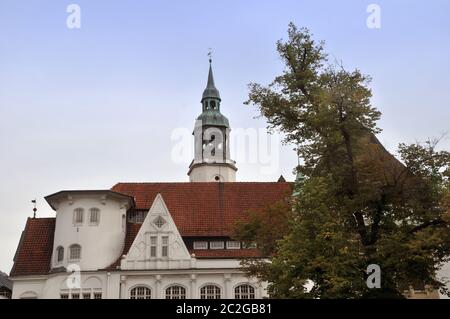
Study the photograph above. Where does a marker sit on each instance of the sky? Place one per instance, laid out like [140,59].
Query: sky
[85,108]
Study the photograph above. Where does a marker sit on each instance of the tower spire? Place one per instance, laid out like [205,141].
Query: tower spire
[212,134]
[210,92]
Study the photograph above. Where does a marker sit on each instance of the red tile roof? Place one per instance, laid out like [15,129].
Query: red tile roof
[206,209]
[35,248]
[198,209]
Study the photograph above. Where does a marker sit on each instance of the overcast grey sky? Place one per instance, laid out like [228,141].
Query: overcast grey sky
[87,108]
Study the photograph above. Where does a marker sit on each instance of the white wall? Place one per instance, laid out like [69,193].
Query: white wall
[101,244]
[120,283]
[207,173]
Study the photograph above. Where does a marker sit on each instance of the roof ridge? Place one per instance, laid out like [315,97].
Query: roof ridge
[199,183]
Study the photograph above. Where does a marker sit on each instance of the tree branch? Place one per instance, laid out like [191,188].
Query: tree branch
[436,222]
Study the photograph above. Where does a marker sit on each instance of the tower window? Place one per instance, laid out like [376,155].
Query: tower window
[94,216]
[213,105]
[78,216]
[59,254]
[75,252]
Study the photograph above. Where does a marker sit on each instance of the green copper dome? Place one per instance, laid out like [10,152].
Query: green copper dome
[213,118]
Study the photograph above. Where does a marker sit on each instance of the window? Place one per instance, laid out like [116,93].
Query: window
[137,216]
[94,216]
[59,254]
[75,252]
[176,292]
[159,222]
[75,296]
[78,216]
[233,245]
[244,291]
[216,245]
[210,292]
[97,295]
[64,296]
[87,295]
[200,245]
[165,246]
[141,293]
[153,243]
[213,105]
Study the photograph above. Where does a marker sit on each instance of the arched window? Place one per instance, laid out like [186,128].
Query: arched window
[141,292]
[78,216]
[59,254]
[244,291]
[75,252]
[210,292]
[94,216]
[213,105]
[176,292]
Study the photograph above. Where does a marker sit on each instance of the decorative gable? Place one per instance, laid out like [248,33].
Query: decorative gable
[158,244]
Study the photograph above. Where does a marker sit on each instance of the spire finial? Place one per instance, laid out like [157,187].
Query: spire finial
[210,53]
[34,208]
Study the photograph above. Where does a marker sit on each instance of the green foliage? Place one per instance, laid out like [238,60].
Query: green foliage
[357,204]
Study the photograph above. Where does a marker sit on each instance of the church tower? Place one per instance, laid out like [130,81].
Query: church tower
[212,161]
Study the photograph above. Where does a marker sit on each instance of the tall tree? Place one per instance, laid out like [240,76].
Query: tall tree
[355,204]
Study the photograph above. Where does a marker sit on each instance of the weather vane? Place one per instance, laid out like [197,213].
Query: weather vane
[210,53]
[34,208]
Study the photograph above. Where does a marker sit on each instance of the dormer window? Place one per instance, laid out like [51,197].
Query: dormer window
[200,245]
[94,216]
[233,245]
[216,245]
[78,216]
